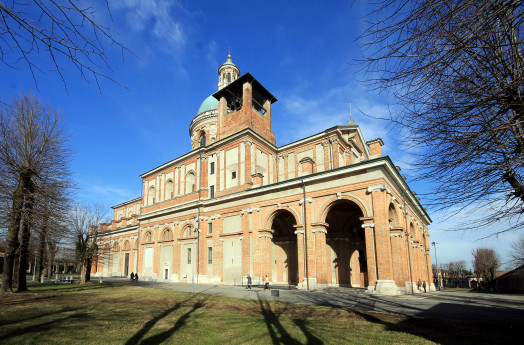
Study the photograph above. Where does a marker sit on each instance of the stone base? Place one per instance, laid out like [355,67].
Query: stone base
[312,284]
[209,279]
[385,287]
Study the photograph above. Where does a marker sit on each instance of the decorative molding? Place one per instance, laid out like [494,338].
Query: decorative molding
[285,156]
[368,225]
[309,200]
[379,187]
[324,143]
[333,140]
[248,142]
[306,159]
[299,232]
[320,230]
[250,210]
[339,195]
[265,236]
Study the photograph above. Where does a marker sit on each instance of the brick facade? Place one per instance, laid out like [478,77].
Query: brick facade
[327,210]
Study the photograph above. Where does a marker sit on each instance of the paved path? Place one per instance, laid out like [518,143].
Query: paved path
[440,304]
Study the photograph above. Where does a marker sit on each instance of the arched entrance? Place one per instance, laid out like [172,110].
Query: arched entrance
[284,259]
[346,245]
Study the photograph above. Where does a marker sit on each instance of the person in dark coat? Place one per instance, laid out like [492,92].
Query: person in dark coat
[132,276]
[424,285]
[266,287]
[248,282]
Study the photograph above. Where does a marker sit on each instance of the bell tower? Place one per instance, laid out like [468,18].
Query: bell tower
[244,103]
[228,72]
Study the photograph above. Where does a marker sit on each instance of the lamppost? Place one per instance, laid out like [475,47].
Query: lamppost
[439,285]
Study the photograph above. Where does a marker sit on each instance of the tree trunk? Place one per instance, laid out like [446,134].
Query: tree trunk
[12,233]
[26,236]
[40,256]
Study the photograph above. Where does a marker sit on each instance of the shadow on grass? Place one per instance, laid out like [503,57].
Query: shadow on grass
[276,330]
[37,316]
[159,338]
[42,327]
[449,332]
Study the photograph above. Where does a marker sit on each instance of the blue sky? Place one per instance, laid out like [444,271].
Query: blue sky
[302,51]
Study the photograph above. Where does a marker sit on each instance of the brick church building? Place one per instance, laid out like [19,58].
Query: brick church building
[326,210]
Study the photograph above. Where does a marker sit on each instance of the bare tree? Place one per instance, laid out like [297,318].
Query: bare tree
[456,70]
[33,156]
[84,222]
[485,263]
[456,269]
[66,31]
[517,250]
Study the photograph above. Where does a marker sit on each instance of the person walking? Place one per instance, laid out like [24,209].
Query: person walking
[424,285]
[132,276]
[419,285]
[267,283]
[248,282]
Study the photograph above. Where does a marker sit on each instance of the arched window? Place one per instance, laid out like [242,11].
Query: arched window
[202,139]
[148,238]
[151,195]
[190,182]
[228,77]
[188,232]
[306,166]
[169,189]
[167,235]
[116,247]
[126,245]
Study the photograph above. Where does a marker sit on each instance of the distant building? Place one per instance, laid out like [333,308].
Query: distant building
[511,281]
[326,210]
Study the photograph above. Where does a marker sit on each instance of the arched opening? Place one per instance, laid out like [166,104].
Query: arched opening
[151,195]
[346,245]
[284,256]
[169,189]
[202,138]
[190,182]
[167,235]
[393,216]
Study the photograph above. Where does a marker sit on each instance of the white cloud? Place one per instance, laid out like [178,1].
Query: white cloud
[155,19]
[332,108]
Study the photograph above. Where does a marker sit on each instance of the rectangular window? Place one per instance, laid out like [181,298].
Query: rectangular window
[209,255]
[212,192]
[234,175]
[212,168]
[189,255]
[209,228]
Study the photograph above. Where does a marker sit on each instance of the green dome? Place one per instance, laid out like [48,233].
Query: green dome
[210,103]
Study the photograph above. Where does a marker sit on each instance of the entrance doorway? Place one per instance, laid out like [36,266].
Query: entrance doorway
[346,241]
[284,250]
[126,264]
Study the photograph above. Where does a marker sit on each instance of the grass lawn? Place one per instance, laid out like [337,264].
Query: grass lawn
[110,314]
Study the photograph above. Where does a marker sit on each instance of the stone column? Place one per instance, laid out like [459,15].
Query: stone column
[203,179]
[247,157]
[321,267]
[300,255]
[334,150]
[397,255]
[325,144]
[382,242]
[369,228]
[264,254]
